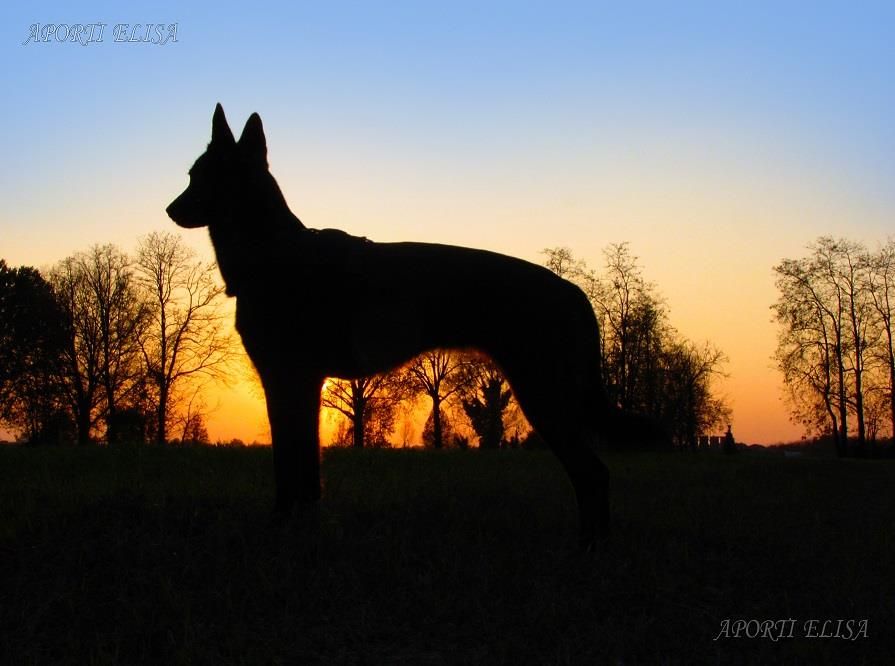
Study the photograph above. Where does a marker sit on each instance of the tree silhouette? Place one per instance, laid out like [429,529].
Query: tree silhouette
[194,429]
[446,430]
[632,322]
[117,317]
[192,417]
[835,342]
[648,369]
[689,407]
[632,319]
[485,399]
[561,261]
[79,371]
[31,347]
[439,375]
[881,291]
[186,337]
[369,404]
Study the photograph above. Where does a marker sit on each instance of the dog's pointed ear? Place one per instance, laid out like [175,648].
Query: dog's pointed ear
[220,130]
[252,141]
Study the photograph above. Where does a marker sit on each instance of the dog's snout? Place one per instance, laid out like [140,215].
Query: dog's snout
[174,209]
[184,212]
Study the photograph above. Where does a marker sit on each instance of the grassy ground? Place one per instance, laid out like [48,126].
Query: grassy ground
[170,556]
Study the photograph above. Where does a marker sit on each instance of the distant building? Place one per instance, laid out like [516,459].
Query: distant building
[725,442]
[729,442]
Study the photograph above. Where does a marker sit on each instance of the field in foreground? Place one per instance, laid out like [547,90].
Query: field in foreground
[170,556]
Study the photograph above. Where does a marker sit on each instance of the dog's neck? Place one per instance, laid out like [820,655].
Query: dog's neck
[248,243]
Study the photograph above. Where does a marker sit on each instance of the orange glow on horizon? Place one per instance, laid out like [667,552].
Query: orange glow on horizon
[238,411]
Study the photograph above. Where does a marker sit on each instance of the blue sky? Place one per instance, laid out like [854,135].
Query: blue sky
[716,138]
[410,86]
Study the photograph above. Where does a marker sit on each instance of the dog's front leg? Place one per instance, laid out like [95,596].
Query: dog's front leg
[293,407]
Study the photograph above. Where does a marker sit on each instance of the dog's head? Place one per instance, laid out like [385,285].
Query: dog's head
[231,177]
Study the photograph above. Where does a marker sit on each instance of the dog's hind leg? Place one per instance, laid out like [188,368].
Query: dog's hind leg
[574,447]
[569,423]
[590,479]
[293,407]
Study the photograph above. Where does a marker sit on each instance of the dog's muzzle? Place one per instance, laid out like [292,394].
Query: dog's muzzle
[182,211]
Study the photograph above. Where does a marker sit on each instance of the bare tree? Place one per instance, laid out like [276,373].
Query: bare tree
[187,338]
[832,309]
[437,374]
[192,420]
[648,369]
[881,288]
[104,319]
[851,273]
[128,338]
[632,319]
[809,351]
[79,371]
[369,404]
[120,317]
[691,407]
[561,261]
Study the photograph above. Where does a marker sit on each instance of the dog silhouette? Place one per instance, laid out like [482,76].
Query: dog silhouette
[312,304]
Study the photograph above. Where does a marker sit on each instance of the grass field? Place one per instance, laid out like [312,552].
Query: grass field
[170,556]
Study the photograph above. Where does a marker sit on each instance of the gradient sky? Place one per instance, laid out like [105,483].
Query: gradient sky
[716,138]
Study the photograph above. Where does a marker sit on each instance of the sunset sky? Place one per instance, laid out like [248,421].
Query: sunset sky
[715,138]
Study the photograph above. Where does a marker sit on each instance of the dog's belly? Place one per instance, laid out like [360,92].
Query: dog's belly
[325,338]
[375,347]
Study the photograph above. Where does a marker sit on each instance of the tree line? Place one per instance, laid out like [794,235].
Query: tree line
[463,391]
[835,341]
[113,347]
[110,346]
[649,370]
